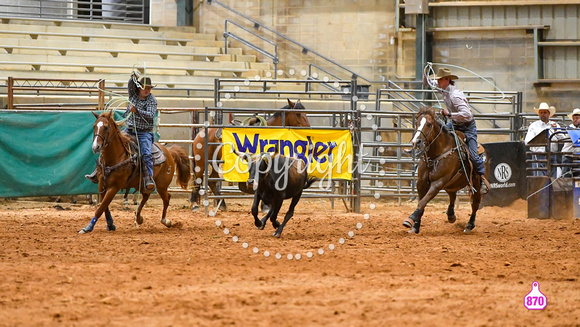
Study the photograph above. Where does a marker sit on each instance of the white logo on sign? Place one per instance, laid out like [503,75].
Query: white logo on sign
[502,172]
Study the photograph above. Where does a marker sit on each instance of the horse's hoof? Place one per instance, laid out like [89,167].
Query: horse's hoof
[260,227]
[408,223]
[195,208]
[167,223]
[451,219]
[125,203]
[84,231]
[468,228]
[276,234]
[414,231]
[111,228]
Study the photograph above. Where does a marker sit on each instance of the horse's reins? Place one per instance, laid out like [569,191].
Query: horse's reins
[106,141]
[432,162]
[433,140]
[467,176]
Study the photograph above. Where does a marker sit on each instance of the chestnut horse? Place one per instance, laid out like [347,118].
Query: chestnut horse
[118,168]
[291,118]
[441,168]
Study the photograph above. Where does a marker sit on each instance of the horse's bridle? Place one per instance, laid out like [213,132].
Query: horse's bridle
[425,136]
[106,140]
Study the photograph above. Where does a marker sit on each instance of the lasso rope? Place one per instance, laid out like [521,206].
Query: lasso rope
[557,178]
[434,85]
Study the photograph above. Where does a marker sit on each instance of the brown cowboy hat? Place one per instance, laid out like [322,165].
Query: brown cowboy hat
[444,73]
[146,81]
[576,112]
[545,106]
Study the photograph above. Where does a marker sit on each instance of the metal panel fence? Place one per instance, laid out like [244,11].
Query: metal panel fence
[131,11]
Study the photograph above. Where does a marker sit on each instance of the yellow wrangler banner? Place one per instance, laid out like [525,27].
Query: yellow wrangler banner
[328,153]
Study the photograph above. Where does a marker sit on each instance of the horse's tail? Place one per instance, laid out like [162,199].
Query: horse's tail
[181,159]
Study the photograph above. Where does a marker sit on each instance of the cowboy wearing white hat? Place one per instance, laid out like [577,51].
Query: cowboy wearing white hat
[461,116]
[569,147]
[545,106]
[544,112]
[575,112]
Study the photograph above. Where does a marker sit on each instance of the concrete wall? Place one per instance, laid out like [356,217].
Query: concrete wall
[353,33]
[164,12]
[357,34]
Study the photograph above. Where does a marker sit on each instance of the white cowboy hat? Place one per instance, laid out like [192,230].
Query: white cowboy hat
[545,106]
[574,113]
[444,72]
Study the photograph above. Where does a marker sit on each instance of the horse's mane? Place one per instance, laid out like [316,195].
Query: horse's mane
[125,138]
[428,110]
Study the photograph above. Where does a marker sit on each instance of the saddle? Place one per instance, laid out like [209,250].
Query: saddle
[156,152]
[250,121]
[465,152]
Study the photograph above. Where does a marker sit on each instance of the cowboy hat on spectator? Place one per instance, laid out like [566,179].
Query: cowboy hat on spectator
[545,106]
[574,113]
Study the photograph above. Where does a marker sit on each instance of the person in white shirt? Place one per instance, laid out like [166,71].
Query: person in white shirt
[569,147]
[544,112]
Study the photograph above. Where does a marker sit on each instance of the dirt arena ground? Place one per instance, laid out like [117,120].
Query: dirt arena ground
[197,275]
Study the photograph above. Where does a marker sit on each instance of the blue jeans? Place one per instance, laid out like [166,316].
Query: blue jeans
[553,169]
[470,132]
[145,144]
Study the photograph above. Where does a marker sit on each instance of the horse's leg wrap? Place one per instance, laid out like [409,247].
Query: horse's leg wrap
[414,218]
[109,218]
[89,228]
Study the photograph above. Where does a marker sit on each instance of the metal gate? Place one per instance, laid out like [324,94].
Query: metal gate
[129,11]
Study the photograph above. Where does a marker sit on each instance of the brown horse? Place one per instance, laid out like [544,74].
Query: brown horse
[442,167]
[118,168]
[291,118]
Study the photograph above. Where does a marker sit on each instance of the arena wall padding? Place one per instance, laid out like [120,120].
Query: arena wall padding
[507,175]
[46,153]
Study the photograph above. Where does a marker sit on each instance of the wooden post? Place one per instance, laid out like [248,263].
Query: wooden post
[101,95]
[10,93]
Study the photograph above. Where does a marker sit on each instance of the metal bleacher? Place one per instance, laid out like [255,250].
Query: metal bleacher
[174,57]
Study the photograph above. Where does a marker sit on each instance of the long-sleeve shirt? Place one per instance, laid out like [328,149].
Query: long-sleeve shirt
[146,109]
[569,146]
[536,128]
[456,103]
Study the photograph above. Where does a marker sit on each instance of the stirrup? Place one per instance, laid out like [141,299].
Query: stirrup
[92,177]
[149,183]
[484,189]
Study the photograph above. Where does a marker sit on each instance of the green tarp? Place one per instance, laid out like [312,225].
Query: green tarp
[46,153]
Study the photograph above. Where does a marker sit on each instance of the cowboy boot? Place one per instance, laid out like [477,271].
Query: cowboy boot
[93,176]
[485,187]
[148,181]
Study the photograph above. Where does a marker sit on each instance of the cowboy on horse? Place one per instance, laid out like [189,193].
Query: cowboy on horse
[143,105]
[461,116]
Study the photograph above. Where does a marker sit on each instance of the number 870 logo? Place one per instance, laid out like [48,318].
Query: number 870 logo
[535,300]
